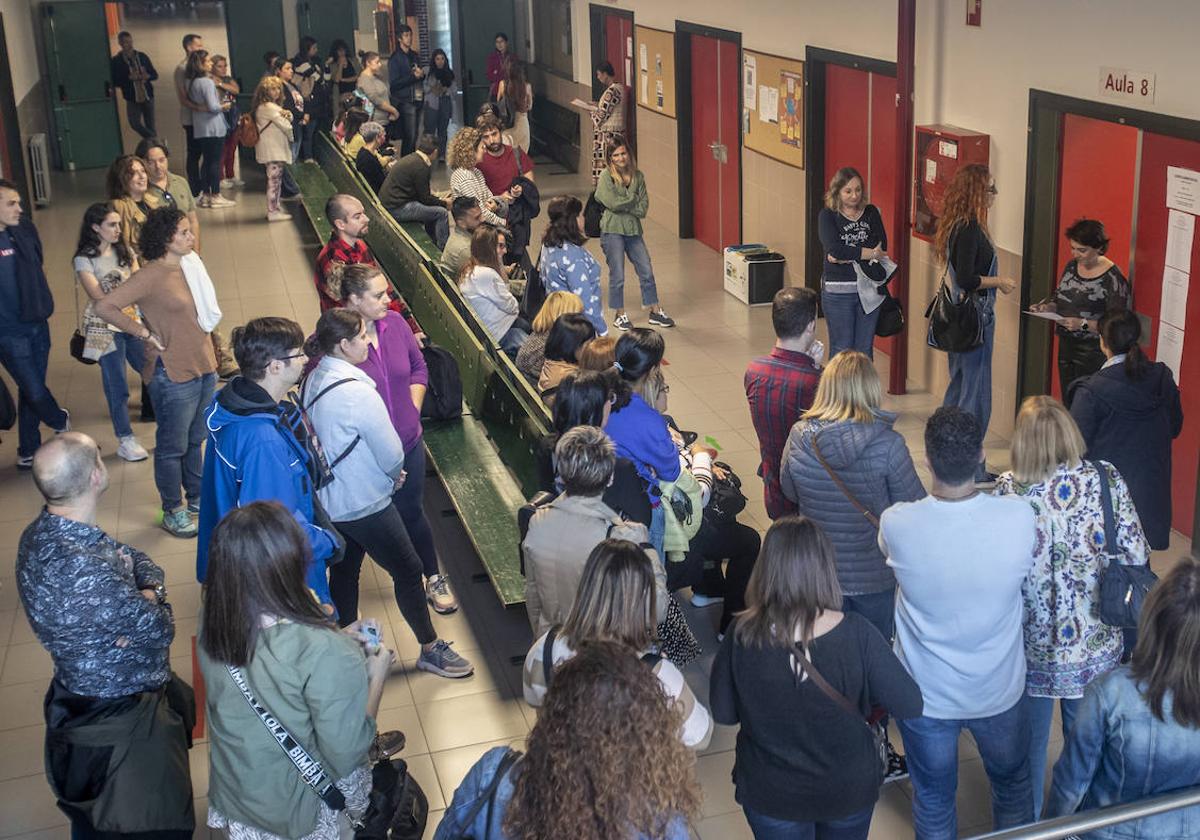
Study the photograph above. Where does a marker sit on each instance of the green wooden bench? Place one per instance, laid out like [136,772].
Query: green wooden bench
[486,459]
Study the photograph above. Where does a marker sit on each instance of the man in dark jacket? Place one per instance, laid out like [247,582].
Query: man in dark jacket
[404,85]
[253,451]
[406,195]
[133,72]
[25,310]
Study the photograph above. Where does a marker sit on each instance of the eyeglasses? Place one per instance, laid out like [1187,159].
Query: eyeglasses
[992,189]
[293,356]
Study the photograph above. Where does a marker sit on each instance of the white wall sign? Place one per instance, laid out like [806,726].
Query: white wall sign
[1183,192]
[1130,86]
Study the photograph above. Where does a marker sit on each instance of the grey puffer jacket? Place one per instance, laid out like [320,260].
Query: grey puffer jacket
[872,460]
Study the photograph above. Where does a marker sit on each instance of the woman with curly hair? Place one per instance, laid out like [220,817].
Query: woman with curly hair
[964,246]
[466,179]
[604,763]
[805,765]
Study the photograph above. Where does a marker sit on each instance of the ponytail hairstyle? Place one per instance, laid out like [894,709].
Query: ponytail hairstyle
[333,327]
[1120,330]
[638,353]
[345,279]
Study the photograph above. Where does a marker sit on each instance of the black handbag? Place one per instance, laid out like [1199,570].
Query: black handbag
[444,393]
[955,326]
[1123,587]
[727,499]
[891,316]
[593,210]
[397,808]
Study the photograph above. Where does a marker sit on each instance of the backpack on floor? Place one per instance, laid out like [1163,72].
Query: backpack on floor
[246,131]
[443,398]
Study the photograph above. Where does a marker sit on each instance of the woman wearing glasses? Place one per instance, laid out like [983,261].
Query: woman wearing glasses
[964,246]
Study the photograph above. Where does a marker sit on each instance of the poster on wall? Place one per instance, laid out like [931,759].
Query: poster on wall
[750,83]
[791,87]
[1183,189]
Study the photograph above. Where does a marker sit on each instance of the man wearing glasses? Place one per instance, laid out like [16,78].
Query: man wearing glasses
[256,449]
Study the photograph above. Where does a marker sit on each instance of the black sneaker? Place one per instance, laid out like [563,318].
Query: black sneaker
[661,319]
[622,322]
[897,768]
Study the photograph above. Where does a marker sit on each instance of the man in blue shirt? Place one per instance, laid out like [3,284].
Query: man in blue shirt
[25,309]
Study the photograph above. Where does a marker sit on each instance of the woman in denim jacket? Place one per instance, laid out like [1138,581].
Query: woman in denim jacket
[1137,733]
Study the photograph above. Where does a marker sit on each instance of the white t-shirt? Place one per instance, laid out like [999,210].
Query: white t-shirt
[959,568]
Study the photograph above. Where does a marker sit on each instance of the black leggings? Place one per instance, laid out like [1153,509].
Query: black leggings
[381,534]
[211,150]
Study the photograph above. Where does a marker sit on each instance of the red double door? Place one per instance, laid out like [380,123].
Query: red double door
[864,138]
[716,142]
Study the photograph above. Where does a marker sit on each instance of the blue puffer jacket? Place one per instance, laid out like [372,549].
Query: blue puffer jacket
[872,460]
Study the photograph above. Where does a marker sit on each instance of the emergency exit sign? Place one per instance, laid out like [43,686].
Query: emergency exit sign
[1129,86]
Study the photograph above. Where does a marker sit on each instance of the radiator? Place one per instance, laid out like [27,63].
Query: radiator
[39,164]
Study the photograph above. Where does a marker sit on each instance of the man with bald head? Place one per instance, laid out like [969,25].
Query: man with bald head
[350,222]
[100,608]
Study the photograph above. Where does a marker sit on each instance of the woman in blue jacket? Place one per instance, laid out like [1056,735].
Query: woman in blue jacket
[604,762]
[1137,732]
[565,265]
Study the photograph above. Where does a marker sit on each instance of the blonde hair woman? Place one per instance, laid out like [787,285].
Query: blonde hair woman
[964,245]
[275,134]
[466,179]
[843,465]
[532,354]
[616,603]
[1066,645]
[804,767]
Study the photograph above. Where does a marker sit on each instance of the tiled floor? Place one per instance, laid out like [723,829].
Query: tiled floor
[259,270]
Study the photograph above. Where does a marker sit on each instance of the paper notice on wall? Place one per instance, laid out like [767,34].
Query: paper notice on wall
[643,58]
[629,46]
[645,97]
[1183,189]
[768,104]
[1174,296]
[1170,348]
[1181,227]
[930,170]
[750,82]
[658,94]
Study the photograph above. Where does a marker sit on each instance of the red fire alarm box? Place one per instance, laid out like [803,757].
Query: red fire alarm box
[940,151]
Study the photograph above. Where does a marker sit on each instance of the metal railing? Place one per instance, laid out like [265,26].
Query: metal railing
[1086,821]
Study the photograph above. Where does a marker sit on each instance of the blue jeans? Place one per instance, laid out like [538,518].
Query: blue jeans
[853,827]
[616,248]
[850,327]
[409,501]
[658,531]
[25,354]
[931,747]
[970,385]
[1041,715]
[116,386]
[307,132]
[407,126]
[178,460]
[415,211]
[436,121]
[512,340]
[879,608]
[141,117]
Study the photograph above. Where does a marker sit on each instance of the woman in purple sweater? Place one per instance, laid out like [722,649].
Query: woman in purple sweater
[396,365]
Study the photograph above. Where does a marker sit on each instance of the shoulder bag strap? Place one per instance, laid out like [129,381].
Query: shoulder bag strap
[863,509]
[326,390]
[309,768]
[1110,525]
[488,795]
[801,657]
[548,656]
[321,393]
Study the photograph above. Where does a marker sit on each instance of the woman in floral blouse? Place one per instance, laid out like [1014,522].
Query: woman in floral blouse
[1066,644]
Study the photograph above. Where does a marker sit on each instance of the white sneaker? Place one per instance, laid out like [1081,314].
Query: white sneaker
[238,182]
[220,201]
[278,216]
[131,450]
[203,200]
[228,184]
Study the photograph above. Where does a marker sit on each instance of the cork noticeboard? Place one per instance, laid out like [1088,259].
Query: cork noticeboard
[773,106]
[654,87]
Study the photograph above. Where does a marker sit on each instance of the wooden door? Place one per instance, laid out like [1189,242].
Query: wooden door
[716,142]
[87,130]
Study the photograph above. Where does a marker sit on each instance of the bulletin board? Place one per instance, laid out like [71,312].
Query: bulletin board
[773,106]
[654,87]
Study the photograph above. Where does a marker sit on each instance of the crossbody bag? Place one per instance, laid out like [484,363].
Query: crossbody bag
[1123,586]
[859,506]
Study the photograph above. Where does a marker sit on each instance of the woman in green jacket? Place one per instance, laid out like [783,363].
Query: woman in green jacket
[262,631]
[622,191]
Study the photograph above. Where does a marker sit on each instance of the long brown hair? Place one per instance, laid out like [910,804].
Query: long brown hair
[631,169]
[514,84]
[793,582]
[966,200]
[604,758]
[484,253]
[120,173]
[833,195]
[1167,657]
[616,598]
[257,563]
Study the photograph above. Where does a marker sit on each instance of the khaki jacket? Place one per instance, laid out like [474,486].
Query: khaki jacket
[561,536]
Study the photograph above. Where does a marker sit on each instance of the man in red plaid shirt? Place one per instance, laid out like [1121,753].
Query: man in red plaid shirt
[781,386]
[350,221]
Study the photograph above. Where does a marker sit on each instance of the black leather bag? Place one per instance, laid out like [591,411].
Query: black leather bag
[593,210]
[1123,588]
[891,316]
[955,326]
[397,809]
[727,499]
